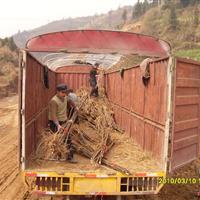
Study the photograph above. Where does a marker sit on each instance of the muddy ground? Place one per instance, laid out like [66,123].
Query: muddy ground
[11,182]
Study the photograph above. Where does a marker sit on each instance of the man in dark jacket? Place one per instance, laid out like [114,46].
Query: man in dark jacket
[93,81]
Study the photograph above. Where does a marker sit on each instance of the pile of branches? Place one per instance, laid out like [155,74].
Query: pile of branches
[97,111]
[51,146]
[98,115]
[90,138]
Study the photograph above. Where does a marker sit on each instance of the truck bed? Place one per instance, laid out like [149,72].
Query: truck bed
[124,153]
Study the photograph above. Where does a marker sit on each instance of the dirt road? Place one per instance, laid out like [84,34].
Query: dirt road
[11,183]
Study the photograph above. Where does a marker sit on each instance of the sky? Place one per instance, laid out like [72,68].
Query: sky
[20,15]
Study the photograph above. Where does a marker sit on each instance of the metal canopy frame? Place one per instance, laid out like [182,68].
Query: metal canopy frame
[99,42]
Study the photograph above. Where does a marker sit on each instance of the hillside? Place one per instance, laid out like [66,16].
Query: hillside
[8,67]
[111,20]
[185,39]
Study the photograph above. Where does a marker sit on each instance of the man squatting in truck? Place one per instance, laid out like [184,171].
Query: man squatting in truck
[58,114]
[93,81]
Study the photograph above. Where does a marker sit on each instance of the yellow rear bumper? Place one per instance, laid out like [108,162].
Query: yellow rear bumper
[52,183]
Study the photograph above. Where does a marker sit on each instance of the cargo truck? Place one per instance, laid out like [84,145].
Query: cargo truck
[162,115]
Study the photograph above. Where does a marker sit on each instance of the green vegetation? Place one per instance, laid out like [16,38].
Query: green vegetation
[124,15]
[173,18]
[175,24]
[8,67]
[9,42]
[192,53]
[140,8]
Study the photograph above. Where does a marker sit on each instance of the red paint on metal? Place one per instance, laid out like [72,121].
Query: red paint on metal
[126,85]
[154,141]
[126,122]
[99,41]
[137,130]
[186,122]
[155,93]
[141,174]
[141,110]
[39,192]
[90,175]
[31,174]
[74,68]
[74,80]
[36,100]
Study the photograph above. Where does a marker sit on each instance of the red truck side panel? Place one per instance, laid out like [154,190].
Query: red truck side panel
[140,109]
[36,101]
[186,122]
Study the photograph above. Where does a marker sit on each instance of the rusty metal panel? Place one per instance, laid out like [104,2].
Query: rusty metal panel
[137,130]
[74,68]
[110,84]
[74,80]
[126,122]
[134,104]
[33,131]
[154,141]
[30,140]
[117,114]
[36,99]
[155,93]
[141,110]
[117,88]
[40,123]
[137,91]
[126,85]
[186,119]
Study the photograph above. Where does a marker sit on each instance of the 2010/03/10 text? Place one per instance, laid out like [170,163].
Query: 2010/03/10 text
[165,180]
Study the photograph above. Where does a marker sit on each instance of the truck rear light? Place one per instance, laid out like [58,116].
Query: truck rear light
[31,174]
[90,175]
[141,174]
[39,192]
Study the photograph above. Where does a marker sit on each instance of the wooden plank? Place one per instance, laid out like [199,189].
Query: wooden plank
[187,124]
[187,100]
[185,82]
[184,142]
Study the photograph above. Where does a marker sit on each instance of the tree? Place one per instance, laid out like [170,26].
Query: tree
[155,2]
[145,6]
[10,43]
[137,10]
[166,4]
[173,18]
[124,15]
[184,3]
[110,18]
[196,17]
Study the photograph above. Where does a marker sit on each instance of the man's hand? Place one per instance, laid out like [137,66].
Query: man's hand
[59,127]
[66,131]
[70,121]
[76,108]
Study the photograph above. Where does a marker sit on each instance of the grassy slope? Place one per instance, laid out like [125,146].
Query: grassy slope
[185,41]
[191,53]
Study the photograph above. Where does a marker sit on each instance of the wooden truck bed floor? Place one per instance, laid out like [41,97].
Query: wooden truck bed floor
[124,153]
